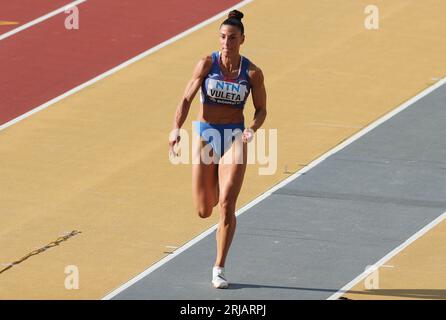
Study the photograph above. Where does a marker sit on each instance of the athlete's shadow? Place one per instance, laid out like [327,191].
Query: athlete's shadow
[397,293]
[238,286]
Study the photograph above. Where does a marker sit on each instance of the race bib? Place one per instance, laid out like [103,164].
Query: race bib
[226,92]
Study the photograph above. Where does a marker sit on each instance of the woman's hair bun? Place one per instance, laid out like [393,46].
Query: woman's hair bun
[235,14]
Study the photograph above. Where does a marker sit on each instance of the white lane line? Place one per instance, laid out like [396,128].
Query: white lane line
[387,257]
[42,18]
[123,65]
[285,182]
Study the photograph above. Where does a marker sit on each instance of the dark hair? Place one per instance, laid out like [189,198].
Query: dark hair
[235,19]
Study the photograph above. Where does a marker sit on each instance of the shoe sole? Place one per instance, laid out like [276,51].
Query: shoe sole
[220,286]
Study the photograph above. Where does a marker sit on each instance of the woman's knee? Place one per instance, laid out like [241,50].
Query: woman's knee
[227,206]
[204,211]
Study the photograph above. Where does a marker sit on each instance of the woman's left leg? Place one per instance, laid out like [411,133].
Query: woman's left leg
[230,176]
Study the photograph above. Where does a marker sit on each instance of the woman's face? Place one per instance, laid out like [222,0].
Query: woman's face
[230,39]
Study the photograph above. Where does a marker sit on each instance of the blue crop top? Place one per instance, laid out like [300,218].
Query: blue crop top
[218,89]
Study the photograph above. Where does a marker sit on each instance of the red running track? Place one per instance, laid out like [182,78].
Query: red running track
[41,63]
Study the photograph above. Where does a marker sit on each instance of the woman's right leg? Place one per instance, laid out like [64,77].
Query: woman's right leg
[205,187]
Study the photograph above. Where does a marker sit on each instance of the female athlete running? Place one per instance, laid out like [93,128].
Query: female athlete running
[226,79]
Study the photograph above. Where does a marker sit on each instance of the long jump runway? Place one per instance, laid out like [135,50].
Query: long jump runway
[315,234]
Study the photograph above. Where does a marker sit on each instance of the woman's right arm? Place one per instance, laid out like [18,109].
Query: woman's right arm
[201,70]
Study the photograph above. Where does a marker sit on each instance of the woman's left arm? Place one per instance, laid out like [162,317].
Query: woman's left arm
[258,97]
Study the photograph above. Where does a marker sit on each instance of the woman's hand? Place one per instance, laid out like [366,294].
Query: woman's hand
[248,135]
[174,138]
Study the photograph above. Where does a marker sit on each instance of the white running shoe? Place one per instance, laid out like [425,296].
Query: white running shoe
[218,278]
